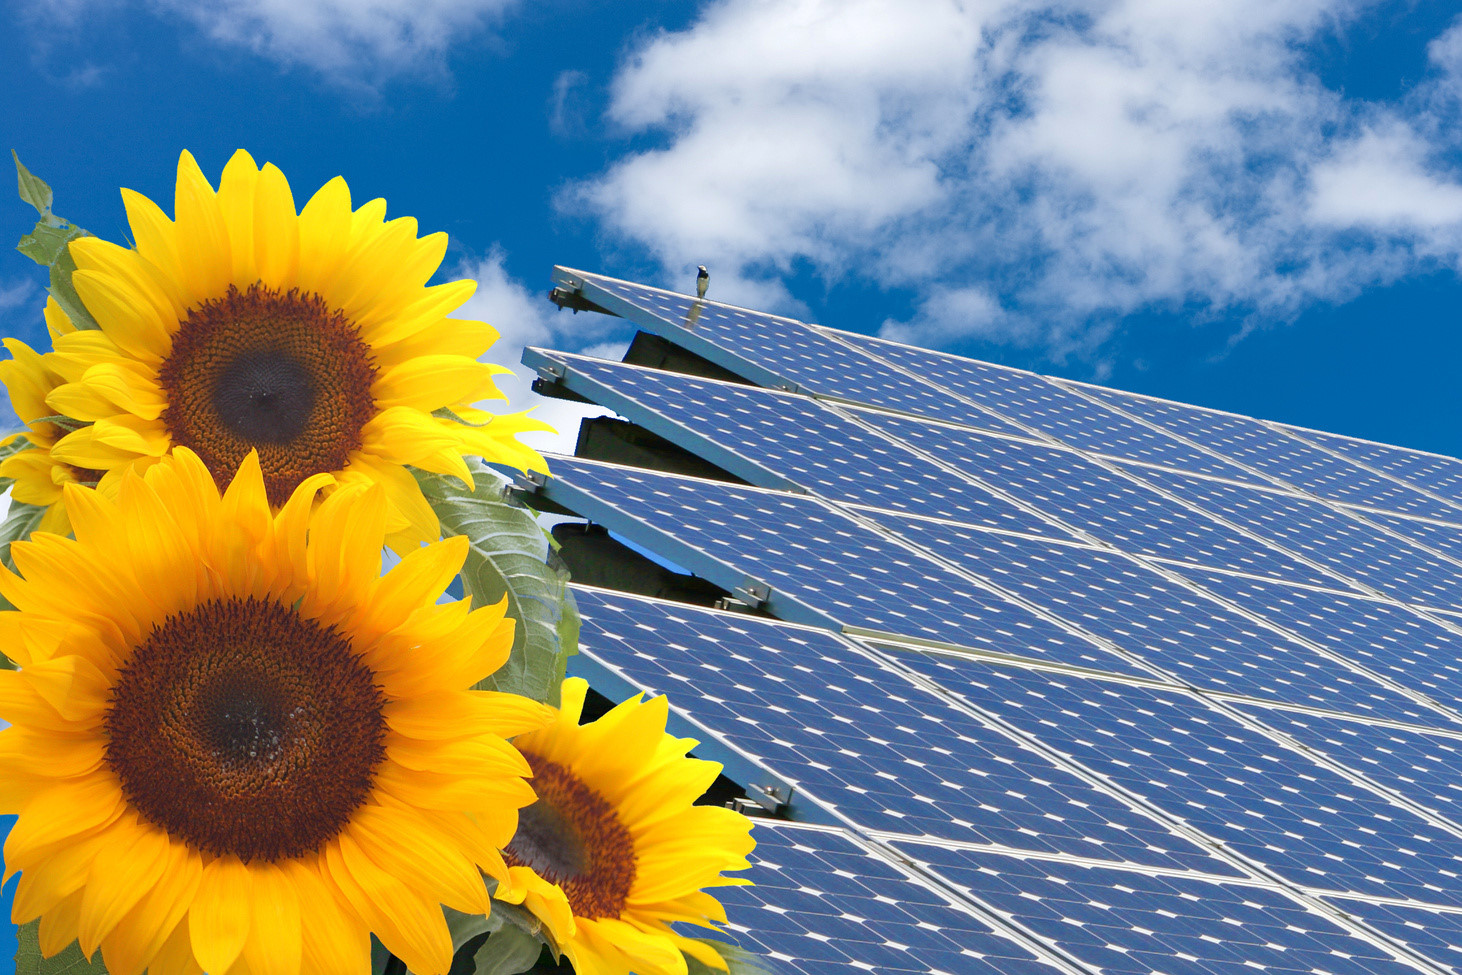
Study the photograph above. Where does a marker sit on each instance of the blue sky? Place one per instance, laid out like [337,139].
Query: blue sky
[1250,204]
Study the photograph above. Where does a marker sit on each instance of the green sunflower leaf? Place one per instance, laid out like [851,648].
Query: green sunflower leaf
[508,951]
[509,555]
[69,961]
[19,523]
[738,960]
[33,189]
[47,245]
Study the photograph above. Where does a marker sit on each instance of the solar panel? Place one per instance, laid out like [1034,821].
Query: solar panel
[1105,504]
[1266,802]
[774,351]
[1403,646]
[1054,410]
[813,563]
[863,741]
[1136,923]
[1437,475]
[1031,675]
[781,440]
[1354,549]
[1282,457]
[1169,625]
[823,903]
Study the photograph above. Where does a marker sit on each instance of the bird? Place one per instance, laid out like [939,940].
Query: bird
[702,280]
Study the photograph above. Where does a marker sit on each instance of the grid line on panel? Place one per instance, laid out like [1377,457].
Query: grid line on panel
[1178,629]
[1279,603]
[1322,735]
[1366,556]
[1048,410]
[880,751]
[1005,592]
[1421,469]
[1105,501]
[1136,923]
[1287,849]
[790,441]
[1428,931]
[807,578]
[828,902]
[1447,508]
[1258,447]
[771,350]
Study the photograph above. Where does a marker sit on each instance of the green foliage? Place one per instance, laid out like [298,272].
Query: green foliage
[738,960]
[70,961]
[21,521]
[509,555]
[509,951]
[46,245]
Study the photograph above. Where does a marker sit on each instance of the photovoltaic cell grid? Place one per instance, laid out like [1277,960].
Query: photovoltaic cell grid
[1280,456]
[1124,512]
[1446,539]
[1052,409]
[1165,623]
[1424,768]
[817,558]
[795,438]
[1390,640]
[822,904]
[1351,547]
[858,738]
[786,348]
[1119,921]
[1429,472]
[1433,933]
[1268,803]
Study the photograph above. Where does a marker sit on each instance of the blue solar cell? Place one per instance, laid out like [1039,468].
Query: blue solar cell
[1116,509]
[1446,539]
[1425,768]
[1353,548]
[1430,932]
[1278,455]
[1429,472]
[822,904]
[1165,623]
[1387,639]
[828,565]
[1267,802]
[859,738]
[797,439]
[1121,921]
[1054,410]
[783,347]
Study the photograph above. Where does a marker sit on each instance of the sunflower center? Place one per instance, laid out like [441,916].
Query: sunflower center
[241,727]
[279,372]
[572,837]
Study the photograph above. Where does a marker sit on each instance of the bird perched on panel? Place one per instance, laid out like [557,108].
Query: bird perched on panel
[702,280]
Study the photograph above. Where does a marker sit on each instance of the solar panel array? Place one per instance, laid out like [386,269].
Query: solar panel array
[1042,677]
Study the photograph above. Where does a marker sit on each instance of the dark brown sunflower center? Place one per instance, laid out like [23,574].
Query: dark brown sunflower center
[279,372]
[573,838]
[241,727]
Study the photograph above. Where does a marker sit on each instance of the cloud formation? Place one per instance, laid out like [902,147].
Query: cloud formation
[1032,169]
[522,318]
[353,43]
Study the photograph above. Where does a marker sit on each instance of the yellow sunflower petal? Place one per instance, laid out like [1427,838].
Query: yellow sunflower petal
[219,918]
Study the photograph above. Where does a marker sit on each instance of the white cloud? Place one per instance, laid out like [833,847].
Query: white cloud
[354,43]
[526,317]
[1028,169]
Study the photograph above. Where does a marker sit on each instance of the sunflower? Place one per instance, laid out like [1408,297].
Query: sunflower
[615,849]
[308,337]
[39,477]
[235,746]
